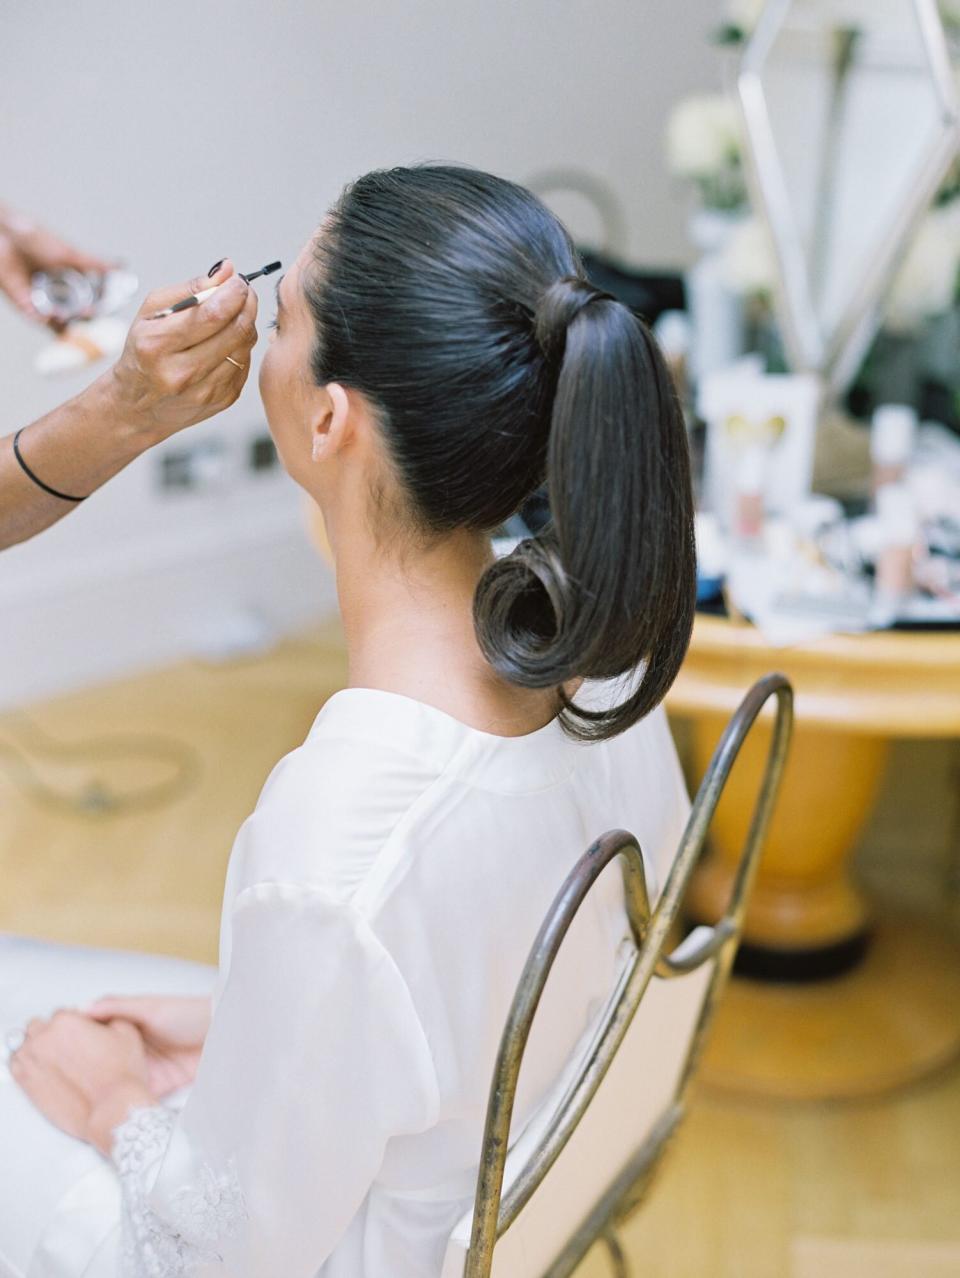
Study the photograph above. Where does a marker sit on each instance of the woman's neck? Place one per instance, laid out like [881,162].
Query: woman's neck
[408,620]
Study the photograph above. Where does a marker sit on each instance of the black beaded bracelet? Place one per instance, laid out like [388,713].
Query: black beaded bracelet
[30,475]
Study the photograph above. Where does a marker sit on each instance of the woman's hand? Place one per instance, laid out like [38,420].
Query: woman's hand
[83,1076]
[25,248]
[173,1032]
[179,370]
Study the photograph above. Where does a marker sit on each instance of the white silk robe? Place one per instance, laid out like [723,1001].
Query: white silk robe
[379,906]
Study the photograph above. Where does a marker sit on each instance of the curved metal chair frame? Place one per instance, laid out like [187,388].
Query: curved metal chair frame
[494,1212]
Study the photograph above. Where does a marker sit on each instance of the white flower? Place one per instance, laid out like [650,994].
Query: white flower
[926,282]
[703,136]
[748,263]
[744,14]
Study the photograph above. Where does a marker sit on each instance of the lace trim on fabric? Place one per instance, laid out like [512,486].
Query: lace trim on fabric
[204,1216]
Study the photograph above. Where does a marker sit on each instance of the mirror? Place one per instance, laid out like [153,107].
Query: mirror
[851,120]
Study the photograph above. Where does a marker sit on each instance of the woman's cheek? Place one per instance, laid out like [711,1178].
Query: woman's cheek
[266,381]
[277,391]
[276,404]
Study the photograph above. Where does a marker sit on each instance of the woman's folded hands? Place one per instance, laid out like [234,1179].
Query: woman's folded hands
[85,1070]
[173,1030]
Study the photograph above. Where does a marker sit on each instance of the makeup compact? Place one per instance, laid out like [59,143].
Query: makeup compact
[68,295]
[82,306]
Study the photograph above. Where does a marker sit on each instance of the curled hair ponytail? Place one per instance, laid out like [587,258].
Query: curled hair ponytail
[608,588]
[455,302]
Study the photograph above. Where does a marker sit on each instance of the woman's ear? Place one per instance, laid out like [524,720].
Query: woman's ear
[331,427]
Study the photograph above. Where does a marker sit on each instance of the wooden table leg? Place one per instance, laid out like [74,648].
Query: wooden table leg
[806,919]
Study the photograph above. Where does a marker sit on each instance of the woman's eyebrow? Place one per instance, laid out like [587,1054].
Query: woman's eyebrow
[277,292]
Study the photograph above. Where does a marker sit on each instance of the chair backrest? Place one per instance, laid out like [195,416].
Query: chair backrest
[593,1143]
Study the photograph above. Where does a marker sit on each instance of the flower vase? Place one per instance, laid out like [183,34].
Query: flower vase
[717,312]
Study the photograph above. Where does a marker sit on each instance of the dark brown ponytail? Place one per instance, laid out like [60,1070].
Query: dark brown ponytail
[456,303]
[608,589]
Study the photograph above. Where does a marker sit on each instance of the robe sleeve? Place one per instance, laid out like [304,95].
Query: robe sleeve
[315,1058]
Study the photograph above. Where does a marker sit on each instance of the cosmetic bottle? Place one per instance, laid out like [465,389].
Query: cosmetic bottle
[898,532]
[673,333]
[892,438]
[749,503]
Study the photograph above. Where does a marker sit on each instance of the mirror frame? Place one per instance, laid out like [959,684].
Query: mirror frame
[836,357]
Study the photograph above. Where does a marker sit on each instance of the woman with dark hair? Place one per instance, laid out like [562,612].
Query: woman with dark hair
[438,357]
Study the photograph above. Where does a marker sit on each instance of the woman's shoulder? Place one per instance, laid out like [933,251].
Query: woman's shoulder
[330,805]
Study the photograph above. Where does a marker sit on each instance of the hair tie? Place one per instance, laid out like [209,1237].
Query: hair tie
[561,303]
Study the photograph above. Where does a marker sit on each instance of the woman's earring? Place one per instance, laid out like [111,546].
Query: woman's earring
[317,447]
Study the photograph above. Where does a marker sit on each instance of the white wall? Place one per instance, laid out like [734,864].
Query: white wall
[177,132]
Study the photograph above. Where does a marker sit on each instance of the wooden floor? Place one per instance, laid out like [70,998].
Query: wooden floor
[750,1191]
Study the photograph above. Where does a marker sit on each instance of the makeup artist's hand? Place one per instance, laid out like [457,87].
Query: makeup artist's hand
[25,248]
[175,371]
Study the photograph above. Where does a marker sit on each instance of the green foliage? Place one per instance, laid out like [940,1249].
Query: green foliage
[729,34]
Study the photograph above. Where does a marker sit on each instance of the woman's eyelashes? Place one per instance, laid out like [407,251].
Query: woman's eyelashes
[274,324]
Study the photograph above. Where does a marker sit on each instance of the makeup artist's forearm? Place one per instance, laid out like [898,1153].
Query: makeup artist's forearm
[75,448]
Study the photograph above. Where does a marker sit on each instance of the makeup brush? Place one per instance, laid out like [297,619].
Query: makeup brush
[196,298]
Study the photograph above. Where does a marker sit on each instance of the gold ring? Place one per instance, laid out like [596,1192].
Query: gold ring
[231,360]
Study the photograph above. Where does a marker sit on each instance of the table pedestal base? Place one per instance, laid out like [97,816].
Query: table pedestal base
[891,1021]
[823,962]
[805,918]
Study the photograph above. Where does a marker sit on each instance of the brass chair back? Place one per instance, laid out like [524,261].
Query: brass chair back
[494,1210]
